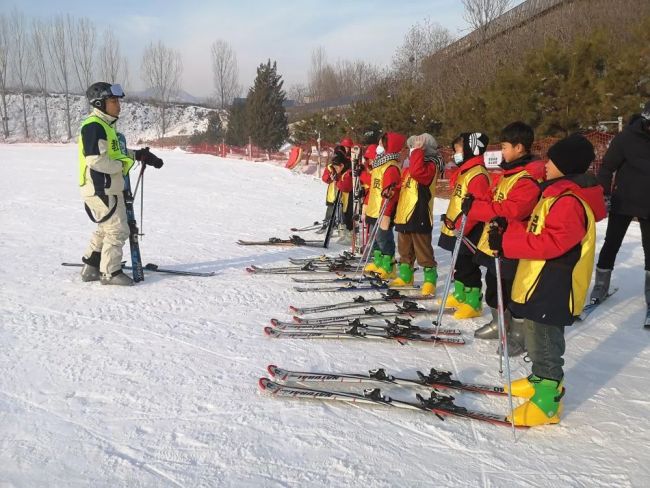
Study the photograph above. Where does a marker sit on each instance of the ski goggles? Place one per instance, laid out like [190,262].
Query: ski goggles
[116,90]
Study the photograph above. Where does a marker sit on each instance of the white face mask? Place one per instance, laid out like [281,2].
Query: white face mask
[458,158]
[380,150]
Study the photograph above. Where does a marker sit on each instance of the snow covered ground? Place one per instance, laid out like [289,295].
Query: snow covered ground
[156,385]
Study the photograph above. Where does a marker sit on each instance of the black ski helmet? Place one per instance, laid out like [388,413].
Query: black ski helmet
[97,93]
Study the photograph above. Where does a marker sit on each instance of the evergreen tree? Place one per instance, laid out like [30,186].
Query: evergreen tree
[237,131]
[267,119]
[213,133]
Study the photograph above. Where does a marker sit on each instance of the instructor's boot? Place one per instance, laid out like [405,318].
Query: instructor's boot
[386,268]
[116,278]
[544,406]
[430,280]
[376,259]
[472,306]
[404,276]
[90,269]
[601,286]
[490,330]
[457,297]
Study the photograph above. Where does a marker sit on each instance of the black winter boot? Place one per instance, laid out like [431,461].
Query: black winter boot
[90,269]
[601,286]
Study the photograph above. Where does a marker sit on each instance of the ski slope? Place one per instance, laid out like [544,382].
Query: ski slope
[156,385]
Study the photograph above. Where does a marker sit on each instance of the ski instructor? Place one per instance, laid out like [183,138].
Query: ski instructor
[625,176]
[102,168]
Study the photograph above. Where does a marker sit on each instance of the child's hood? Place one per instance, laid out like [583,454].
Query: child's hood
[394,142]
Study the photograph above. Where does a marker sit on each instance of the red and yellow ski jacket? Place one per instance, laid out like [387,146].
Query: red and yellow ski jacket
[556,250]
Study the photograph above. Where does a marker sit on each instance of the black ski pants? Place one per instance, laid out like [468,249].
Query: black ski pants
[616,228]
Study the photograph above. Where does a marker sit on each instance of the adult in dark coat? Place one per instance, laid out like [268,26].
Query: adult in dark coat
[625,177]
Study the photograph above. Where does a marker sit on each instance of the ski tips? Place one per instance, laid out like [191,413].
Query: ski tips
[294,309]
[272,369]
[275,322]
[263,383]
[297,319]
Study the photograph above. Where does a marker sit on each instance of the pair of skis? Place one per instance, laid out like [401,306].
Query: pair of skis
[373,284]
[396,326]
[294,240]
[288,384]
[301,269]
[157,269]
[314,226]
[391,295]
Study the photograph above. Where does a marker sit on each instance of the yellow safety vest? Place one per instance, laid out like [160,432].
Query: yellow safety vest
[375,199]
[330,196]
[408,199]
[528,280]
[501,192]
[114,150]
[460,190]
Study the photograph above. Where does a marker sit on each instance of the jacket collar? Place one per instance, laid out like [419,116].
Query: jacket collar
[110,120]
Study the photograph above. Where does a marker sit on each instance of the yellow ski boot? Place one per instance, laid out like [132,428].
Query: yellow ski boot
[404,276]
[386,268]
[372,267]
[430,280]
[544,407]
[457,297]
[472,306]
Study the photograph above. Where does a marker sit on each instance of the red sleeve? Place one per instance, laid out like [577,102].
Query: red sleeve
[564,228]
[519,204]
[391,175]
[326,176]
[479,186]
[421,172]
[345,183]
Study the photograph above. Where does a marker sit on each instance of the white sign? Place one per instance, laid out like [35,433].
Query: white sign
[493,159]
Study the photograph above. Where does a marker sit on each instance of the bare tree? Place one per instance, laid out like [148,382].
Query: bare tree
[317,74]
[355,77]
[40,39]
[113,67]
[5,51]
[161,71]
[21,59]
[479,13]
[422,40]
[225,72]
[298,93]
[82,47]
[58,49]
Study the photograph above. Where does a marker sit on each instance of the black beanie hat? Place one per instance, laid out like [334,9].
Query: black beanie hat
[474,144]
[572,155]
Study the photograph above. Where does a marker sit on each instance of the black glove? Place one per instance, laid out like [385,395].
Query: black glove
[147,157]
[466,206]
[450,224]
[357,170]
[360,193]
[608,203]
[498,226]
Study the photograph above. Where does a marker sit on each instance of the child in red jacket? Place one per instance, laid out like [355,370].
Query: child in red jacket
[414,215]
[470,177]
[556,250]
[514,197]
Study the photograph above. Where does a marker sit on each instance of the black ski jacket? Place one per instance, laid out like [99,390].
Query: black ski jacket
[627,162]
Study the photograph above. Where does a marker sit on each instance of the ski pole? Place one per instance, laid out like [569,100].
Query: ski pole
[365,257]
[454,258]
[330,224]
[503,339]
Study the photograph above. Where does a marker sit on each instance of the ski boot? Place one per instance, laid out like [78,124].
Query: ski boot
[455,299]
[372,267]
[472,306]
[491,330]
[90,269]
[345,237]
[116,278]
[430,280]
[404,276]
[545,403]
[601,287]
[516,338]
[386,268]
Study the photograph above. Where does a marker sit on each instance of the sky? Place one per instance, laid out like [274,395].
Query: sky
[283,31]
